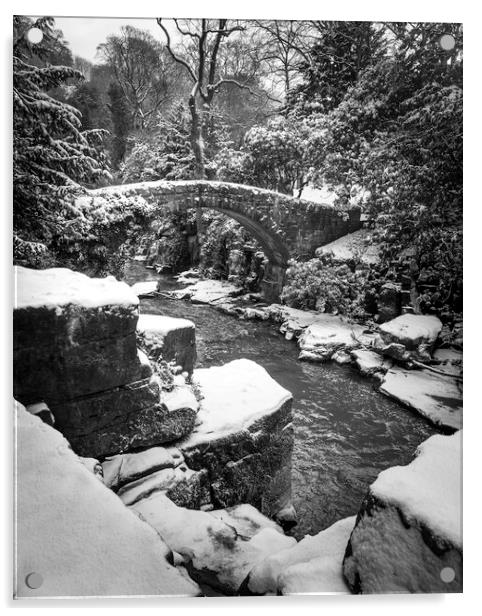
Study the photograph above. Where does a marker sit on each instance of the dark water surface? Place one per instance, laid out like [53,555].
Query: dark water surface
[345,432]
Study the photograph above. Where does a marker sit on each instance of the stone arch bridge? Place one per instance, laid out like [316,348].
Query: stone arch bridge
[284,226]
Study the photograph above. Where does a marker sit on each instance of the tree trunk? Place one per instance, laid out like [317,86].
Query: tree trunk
[197,144]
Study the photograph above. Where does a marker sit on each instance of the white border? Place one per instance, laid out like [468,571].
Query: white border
[409,10]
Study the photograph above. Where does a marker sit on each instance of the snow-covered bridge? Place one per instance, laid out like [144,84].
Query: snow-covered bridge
[285,227]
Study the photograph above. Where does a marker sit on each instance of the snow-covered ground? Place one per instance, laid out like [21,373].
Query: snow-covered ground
[75,533]
[314,565]
[234,396]
[60,286]
[355,245]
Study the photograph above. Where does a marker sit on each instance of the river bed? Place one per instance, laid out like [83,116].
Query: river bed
[345,431]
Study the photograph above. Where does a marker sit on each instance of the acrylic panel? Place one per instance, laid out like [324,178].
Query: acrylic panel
[238,334]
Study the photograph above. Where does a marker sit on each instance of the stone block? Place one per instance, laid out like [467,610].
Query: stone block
[169,338]
[61,371]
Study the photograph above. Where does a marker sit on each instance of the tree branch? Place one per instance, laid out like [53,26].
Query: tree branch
[172,54]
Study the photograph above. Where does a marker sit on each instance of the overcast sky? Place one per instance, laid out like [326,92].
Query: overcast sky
[84,34]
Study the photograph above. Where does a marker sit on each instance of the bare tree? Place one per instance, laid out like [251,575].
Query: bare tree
[200,57]
[141,70]
[283,47]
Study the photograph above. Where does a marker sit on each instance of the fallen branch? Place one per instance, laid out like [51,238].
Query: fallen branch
[441,372]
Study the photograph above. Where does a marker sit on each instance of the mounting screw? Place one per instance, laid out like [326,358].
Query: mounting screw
[34,580]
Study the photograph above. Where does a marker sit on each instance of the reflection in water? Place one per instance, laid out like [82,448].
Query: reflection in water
[345,432]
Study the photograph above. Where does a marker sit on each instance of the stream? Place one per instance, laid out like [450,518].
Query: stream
[345,431]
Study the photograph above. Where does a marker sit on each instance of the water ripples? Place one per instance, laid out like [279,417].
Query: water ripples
[345,432]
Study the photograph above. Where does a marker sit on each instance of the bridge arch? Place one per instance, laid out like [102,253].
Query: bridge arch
[285,227]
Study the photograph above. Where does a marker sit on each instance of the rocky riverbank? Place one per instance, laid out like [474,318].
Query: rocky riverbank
[406,355]
[183,475]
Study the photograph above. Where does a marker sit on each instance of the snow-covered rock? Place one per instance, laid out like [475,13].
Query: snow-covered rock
[329,334]
[411,330]
[292,321]
[180,397]
[70,337]
[76,351]
[188,276]
[408,535]
[215,552]
[183,486]
[170,338]
[76,534]
[243,436]
[137,475]
[436,397]
[144,288]
[449,361]
[121,419]
[370,363]
[124,468]
[315,564]
[58,287]
[207,291]
[246,519]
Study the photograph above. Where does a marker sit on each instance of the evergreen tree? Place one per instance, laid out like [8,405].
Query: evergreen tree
[52,156]
[398,134]
[343,50]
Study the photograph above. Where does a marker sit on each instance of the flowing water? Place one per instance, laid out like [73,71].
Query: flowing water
[345,432]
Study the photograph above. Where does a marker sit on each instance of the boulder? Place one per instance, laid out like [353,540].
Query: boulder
[314,565]
[159,469]
[370,363]
[122,469]
[73,335]
[185,487]
[74,537]
[389,301]
[412,330]
[214,550]
[246,519]
[436,397]
[243,436]
[330,334]
[292,321]
[169,338]
[408,533]
[75,350]
[77,308]
[62,370]
[151,426]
